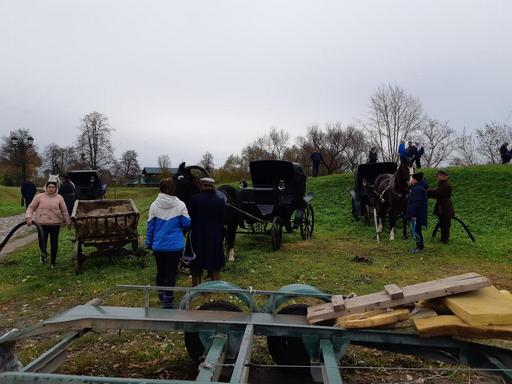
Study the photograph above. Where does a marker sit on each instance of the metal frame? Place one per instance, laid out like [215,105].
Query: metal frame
[325,345]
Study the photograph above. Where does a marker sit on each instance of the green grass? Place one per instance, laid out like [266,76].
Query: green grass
[482,198]
[10,201]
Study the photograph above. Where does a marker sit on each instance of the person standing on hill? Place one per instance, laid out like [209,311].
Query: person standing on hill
[50,212]
[68,192]
[417,209]
[372,156]
[28,191]
[505,154]
[167,219]
[419,152]
[316,158]
[444,206]
[206,212]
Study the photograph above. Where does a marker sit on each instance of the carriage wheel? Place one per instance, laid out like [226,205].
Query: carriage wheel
[289,350]
[276,233]
[355,214]
[193,344]
[78,256]
[308,223]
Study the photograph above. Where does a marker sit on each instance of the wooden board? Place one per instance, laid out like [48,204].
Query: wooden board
[486,306]
[371,319]
[451,325]
[412,293]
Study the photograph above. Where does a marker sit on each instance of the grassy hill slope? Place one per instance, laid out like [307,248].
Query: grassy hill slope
[482,198]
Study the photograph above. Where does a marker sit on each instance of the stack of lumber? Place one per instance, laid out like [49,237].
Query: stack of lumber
[476,308]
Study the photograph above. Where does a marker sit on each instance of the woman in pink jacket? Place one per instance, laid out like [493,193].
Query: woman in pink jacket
[50,212]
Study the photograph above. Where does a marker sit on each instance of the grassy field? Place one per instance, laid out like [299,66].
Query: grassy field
[10,201]
[482,198]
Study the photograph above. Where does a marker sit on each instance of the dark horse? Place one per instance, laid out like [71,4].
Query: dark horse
[391,190]
[187,185]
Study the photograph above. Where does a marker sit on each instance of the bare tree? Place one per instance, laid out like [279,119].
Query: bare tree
[438,142]
[272,146]
[164,162]
[128,166]
[57,160]
[207,162]
[490,138]
[465,148]
[94,141]
[394,116]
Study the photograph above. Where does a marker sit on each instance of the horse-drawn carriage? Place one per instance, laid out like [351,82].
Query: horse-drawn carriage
[277,192]
[87,184]
[363,193]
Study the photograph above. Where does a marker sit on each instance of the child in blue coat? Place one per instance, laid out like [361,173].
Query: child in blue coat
[417,209]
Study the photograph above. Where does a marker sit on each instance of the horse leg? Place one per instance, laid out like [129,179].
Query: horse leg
[230,240]
[392,224]
[376,220]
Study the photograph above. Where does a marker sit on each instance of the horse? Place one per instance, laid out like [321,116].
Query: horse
[391,191]
[186,180]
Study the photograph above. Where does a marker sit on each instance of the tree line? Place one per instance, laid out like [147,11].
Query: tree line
[393,115]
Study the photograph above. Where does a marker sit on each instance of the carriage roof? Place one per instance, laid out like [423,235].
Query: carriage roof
[270,172]
[371,171]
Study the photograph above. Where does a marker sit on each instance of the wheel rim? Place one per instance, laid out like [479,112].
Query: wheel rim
[308,222]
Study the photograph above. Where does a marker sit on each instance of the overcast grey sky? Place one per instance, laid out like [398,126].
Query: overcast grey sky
[185,77]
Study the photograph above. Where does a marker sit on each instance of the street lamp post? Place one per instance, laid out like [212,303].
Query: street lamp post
[21,145]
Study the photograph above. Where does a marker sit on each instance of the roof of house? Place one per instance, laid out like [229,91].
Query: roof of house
[156,170]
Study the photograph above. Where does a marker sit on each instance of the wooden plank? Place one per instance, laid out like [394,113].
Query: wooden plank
[394,291]
[412,293]
[338,302]
[372,319]
[486,306]
[451,325]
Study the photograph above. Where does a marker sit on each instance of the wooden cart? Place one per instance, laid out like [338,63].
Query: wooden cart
[107,225]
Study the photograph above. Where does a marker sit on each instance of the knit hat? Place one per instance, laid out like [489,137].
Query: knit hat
[51,182]
[442,172]
[418,176]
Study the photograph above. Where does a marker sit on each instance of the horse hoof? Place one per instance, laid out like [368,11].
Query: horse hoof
[231,256]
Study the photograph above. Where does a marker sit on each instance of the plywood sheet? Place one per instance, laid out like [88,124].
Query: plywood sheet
[486,306]
[451,325]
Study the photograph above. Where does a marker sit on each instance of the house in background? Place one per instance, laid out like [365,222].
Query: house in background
[149,177]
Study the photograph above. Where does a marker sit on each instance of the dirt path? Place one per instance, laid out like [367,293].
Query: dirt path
[23,236]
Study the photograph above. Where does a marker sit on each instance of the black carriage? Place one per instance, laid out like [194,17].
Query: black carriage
[363,195]
[87,184]
[277,193]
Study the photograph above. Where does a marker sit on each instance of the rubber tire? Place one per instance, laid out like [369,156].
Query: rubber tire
[276,233]
[193,344]
[289,350]
[308,223]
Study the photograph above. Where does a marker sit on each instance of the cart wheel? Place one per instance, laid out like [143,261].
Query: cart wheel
[289,350]
[78,257]
[355,214]
[276,233]
[193,344]
[308,223]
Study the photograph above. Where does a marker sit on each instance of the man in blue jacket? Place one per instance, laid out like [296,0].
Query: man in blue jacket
[417,209]
[167,220]
[316,158]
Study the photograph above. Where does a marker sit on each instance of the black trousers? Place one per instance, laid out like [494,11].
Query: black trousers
[166,271]
[418,236]
[444,224]
[53,232]
[316,167]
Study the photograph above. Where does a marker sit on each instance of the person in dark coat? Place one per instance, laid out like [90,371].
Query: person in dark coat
[444,207]
[505,154]
[316,158]
[372,156]
[68,191]
[28,191]
[417,209]
[419,152]
[206,211]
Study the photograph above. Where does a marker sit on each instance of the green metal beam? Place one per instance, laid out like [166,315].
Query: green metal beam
[241,369]
[211,367]
[330,371]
